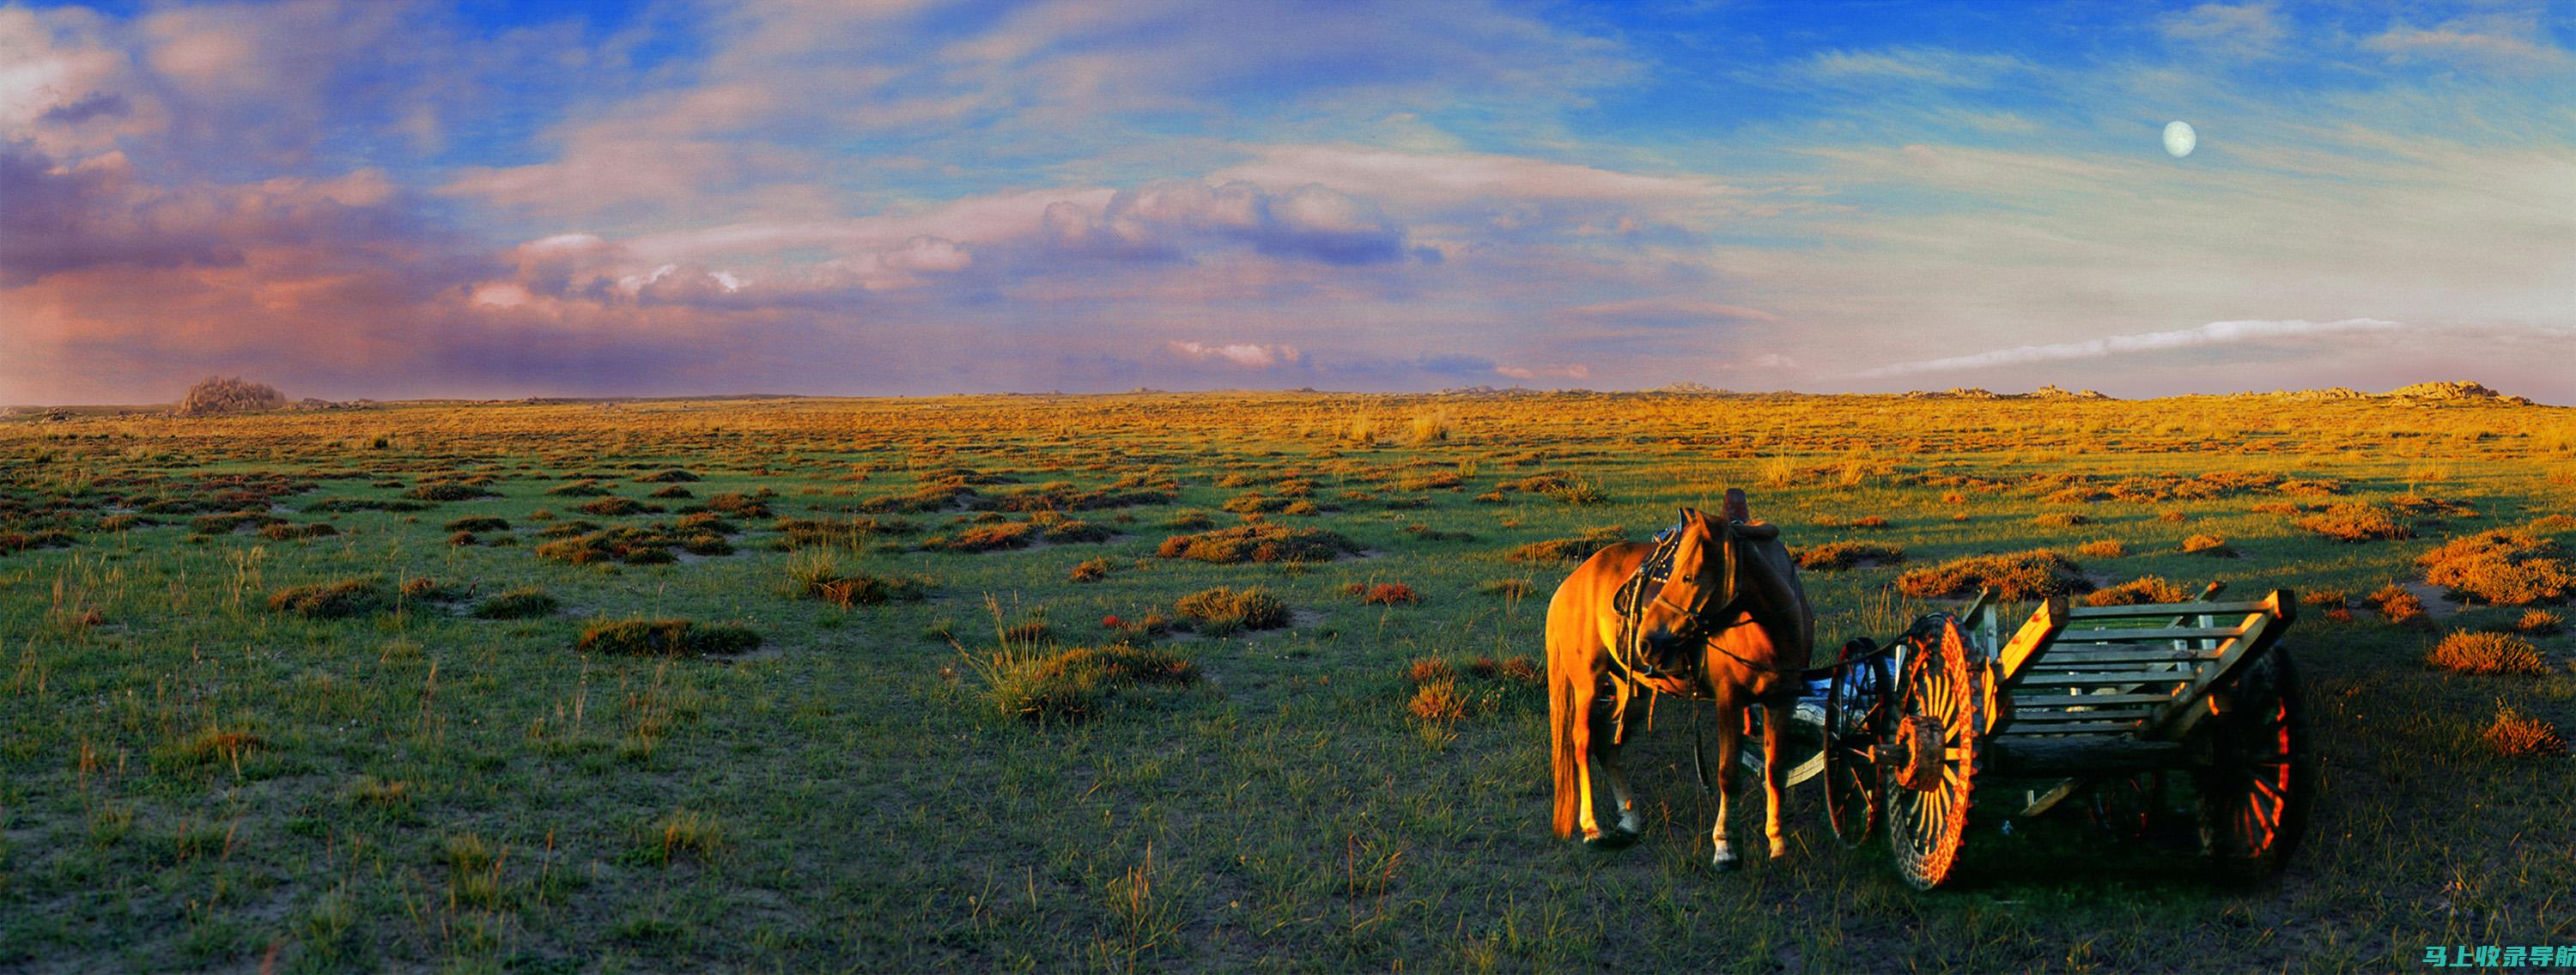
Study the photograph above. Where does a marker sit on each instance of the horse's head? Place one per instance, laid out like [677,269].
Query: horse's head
[1730,581]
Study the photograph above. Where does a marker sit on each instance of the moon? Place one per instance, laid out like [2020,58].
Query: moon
[2180,139]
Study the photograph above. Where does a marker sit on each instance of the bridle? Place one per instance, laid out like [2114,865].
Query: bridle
[1630,664]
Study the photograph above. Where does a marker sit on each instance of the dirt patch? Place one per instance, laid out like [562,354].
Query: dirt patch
[2438,603]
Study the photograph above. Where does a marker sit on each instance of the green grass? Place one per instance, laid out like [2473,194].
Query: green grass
[188,777]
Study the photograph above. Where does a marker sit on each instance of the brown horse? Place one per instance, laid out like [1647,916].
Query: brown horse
[1726,619]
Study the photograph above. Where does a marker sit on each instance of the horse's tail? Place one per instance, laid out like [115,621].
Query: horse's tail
[1565,709]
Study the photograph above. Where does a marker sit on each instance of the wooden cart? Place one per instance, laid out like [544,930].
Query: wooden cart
[2074,700]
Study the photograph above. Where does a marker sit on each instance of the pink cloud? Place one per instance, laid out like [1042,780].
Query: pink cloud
[1244,354]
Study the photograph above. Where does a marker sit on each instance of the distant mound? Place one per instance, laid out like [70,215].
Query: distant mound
[2450,392]
[216,396]
[2044,392]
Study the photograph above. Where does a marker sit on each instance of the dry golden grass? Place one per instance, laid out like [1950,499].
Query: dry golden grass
[1438,700]
[2505,567]
[2107,548]
[2033,574]
[2515,734]
[2139,591]
[2467,652]
[2357,523]
[2401,607]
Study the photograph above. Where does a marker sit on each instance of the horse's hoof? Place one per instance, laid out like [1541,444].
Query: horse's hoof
[1726,865]
[1616,839]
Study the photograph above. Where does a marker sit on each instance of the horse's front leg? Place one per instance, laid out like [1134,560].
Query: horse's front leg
[1730,739]
[1775,726]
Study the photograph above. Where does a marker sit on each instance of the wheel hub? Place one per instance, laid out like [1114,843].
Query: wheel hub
[1919,745]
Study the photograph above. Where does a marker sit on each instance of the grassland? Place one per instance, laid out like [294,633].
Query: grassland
[838,684]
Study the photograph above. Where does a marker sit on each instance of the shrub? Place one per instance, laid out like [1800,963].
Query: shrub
[583,488]
[2506,567]
[1069,531]
[614,507]
[985,538]
[1424,670]
[1390,594]
[212,396]
[654,638]
[2357,523]
[2401,607]
[478,523]
[1090,570]
[843,532]
[517,604]
[670,476]
[1833,556]
[2062,519]
[1254,503]
[2514,734]
[1507,588]
[1438,700]
[1564,549]
[1257,543]
[740,505]
[822,577]
[1524,670]
[283,531]
[227,523]
[2206,545]
[446,491]
[1082,682]
[672,491]
[1220,611]
[2137,592]
[2466,652]
[332,600]
[2014,576]
[2108,548]
[2539,622]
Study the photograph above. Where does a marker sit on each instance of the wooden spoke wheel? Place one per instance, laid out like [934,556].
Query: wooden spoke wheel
[1928,760]
[1856,705]
[2254,795]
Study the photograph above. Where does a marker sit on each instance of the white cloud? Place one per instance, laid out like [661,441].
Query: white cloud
[1246,355]
[2214,333]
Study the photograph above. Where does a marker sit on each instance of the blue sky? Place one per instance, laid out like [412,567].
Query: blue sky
[502,199]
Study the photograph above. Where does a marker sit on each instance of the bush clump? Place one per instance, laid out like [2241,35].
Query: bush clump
[517,604]
[2034,574]
[213,396]
[333,600]
[1566,549]
[14,542]
[446,491]
[1257,543]
[1844,555]
[654,638]
[2506,567]
[2108,548]
[2211,545]
[2516,734]
[2139,592]
[2401,607]
[2357,523]
[1388,594]
[1090,570]
[1083,682]
[613,507]
[1220,611]
[826,580]
[671,476]
[985,538]
[2469,652]
[478,523]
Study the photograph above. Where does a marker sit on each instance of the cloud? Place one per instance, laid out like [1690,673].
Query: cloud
[2214,333]
[1244,354]
[1669,310]
[2247,31]
[2497,40]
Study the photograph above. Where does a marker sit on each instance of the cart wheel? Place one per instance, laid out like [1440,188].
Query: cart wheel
[1855,706]
[2129,806]
[1929,763]
[1798,751]
[2254,796]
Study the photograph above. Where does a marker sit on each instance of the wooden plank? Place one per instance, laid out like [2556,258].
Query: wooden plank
[2037,757]
[2035,718]
[2085,700]
[2106,730]
[2151,633]
[2146,610]
[2034,637]
[2130,677]
[2262,629]
[2043,801]
[2090,654]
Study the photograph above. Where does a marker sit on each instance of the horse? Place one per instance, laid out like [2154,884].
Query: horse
[1711,609]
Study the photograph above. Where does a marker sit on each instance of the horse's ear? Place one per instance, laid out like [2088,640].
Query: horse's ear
[1736,509]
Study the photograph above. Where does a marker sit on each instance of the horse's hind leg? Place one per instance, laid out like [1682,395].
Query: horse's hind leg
[1629,822]
[1730,741]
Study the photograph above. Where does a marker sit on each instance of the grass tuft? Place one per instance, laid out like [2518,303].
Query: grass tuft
[2034,574]
[654,638]
[1082,682]
[1221,610]
[2468,652]
[336,599]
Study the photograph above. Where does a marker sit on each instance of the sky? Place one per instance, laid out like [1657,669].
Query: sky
[498,199]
